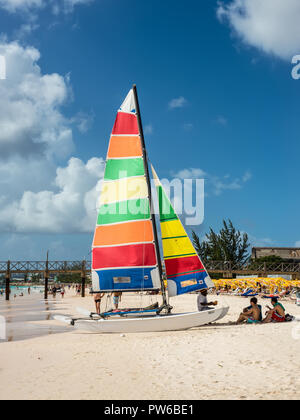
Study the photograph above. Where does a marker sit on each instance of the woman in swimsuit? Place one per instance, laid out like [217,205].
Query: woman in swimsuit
[277,314]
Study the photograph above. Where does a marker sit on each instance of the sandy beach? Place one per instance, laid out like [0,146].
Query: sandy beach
[216,361]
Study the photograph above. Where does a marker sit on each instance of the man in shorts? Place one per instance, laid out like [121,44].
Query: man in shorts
[275,314]
[117,299]
[251,314]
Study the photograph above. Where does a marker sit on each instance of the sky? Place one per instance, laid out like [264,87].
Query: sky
[217,98]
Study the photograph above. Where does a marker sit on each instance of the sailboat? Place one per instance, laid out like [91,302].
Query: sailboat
[126,253]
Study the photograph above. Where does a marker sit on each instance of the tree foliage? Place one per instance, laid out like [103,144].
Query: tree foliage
[227,245]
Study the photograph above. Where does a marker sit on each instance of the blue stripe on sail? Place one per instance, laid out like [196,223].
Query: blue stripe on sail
[187,283]
[126,279]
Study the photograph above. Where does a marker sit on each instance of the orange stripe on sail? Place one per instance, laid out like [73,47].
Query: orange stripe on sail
[124,233]
[124,146]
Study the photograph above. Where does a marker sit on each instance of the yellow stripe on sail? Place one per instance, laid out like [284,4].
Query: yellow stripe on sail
[180,247]
[124,189]
[172,228]
[176,243]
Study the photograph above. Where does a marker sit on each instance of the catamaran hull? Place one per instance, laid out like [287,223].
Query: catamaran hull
[159,323]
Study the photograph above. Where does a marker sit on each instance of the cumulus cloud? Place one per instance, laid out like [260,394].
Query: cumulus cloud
[36,195]
[70,209]
[269,25]
[177,103]
[30,117]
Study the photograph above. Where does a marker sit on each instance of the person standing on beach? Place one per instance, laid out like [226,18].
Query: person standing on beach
[97,300]
[202,303]
[117,299]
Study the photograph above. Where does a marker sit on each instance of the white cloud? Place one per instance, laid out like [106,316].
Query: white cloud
[190,173]
[177,103]
[216,184]
[30,118]
[270,25]
[35,195]
[14,6]
[72,208]
[297,244]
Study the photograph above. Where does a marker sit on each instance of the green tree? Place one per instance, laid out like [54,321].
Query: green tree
[201,247]
[227,245]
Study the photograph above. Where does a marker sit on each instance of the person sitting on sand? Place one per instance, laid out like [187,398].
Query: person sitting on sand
[275,314]
[203,305]
[97,300]
[251,314]
[117,299]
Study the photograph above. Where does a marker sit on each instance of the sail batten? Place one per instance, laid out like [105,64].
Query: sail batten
[124,255]
[185,271]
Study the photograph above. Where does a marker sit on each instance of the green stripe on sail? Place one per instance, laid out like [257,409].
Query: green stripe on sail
[175,237]
[181,255]
[124,211]
[166,210]
[123,168]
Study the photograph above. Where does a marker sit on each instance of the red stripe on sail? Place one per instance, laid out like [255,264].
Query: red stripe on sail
[126,124]
[124,256]
[182,265]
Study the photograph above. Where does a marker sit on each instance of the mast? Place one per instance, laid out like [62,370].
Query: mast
[145,158]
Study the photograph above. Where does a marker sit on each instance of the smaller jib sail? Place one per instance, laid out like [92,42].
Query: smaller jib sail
[124,254]
[184,269]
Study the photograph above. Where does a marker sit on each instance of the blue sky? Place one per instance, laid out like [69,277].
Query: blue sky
[236,117]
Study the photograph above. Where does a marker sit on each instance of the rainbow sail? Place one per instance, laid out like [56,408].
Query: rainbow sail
[124,254]
[184,269]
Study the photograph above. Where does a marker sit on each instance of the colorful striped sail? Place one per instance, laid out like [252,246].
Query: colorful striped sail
[184,269]
[123,255]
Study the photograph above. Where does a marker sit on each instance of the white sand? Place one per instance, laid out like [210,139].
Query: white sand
[216,361]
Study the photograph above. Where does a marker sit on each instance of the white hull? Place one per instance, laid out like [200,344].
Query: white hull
[159,323]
